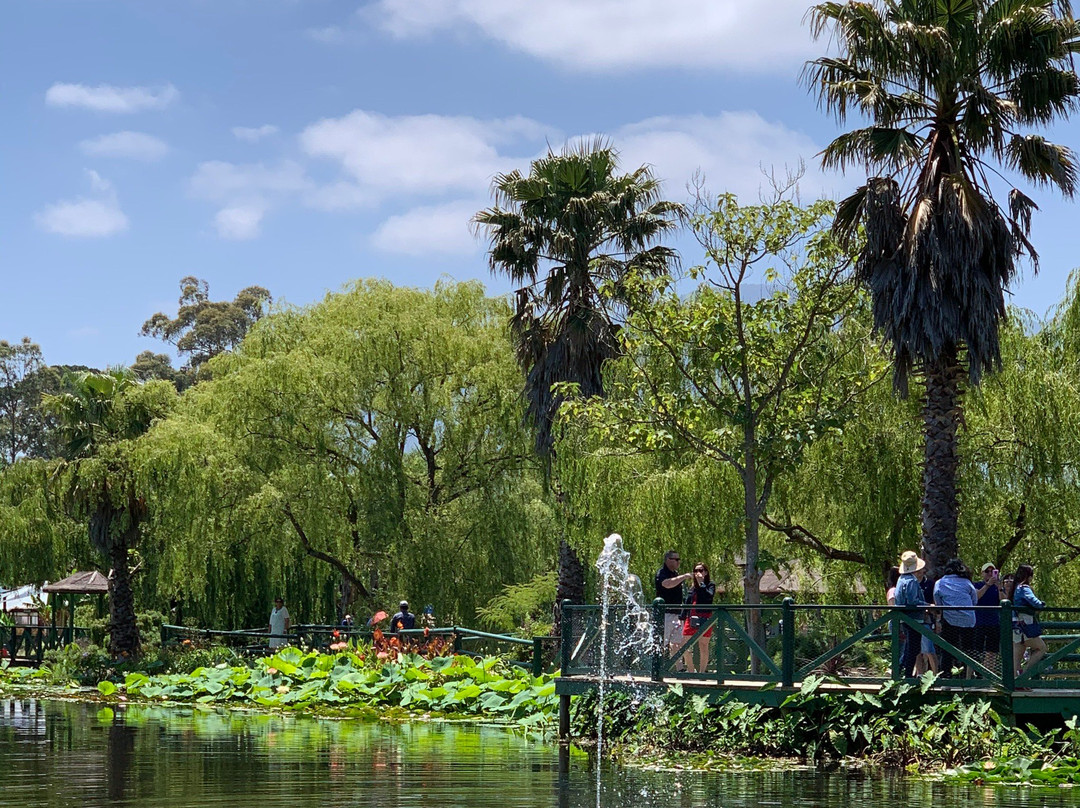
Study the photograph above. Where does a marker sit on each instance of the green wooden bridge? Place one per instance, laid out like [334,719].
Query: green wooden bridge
[761,654]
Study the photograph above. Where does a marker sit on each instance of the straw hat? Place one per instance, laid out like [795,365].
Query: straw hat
[910,562]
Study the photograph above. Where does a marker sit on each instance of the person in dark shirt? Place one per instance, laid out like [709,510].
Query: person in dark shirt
[669,588]
[404,619]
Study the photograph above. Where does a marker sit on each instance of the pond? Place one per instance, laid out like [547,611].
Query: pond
[61,754]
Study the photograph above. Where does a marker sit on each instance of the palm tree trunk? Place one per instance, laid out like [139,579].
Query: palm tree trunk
[571,584]
[123,627]
[942,415]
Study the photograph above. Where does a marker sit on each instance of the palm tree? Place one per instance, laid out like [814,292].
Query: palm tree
[562,233]
[93,417]
[950,89]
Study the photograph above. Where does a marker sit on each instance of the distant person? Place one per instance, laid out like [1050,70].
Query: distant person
[954,588]
[987,622]
[909,595]
[890,585]
[669,588]
[1027,632]
[404,619]
[701,594]
[347,621]
[429,616]
[279,623]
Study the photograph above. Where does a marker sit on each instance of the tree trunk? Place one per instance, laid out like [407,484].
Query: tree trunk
[942,415]
[571,585]
[123,627]
[752,531]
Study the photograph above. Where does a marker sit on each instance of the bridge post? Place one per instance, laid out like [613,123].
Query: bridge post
[564,717]
[566,640]
[787,659]
[537,657]
[894,630]
[660,647]
[1008,673]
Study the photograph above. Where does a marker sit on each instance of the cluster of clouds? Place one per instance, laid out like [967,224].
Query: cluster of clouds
[422,177]
[98,213]
[438,169]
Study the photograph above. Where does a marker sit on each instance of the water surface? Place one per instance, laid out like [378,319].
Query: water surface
[74,755]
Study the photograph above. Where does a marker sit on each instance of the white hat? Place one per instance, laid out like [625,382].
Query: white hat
[910,562]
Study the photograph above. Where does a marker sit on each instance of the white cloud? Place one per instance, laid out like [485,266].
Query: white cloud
[220,181]
[733,150]
[432,230]
[254,133]
[85,217]
[416,154]
[131,145]
[240,222]
[107,98]
[605,35]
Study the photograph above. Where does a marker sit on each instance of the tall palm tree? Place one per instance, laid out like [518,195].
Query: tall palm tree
[950,89]
[569,227]
[93,417]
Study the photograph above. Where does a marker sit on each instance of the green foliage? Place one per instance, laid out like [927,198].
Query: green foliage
[895,728]
[202,328]
[369,447]
[293,679]
[525,607]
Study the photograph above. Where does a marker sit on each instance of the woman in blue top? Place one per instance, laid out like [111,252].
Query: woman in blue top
[1027,633]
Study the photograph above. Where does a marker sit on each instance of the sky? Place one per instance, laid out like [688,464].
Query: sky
[300,144]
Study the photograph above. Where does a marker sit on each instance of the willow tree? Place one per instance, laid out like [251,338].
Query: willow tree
[99,420]
[367,448]
[950,89]
[568,227]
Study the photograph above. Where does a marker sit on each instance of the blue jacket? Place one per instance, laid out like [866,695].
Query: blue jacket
[908,591]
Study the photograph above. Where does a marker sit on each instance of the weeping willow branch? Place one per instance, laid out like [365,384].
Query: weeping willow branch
[305,542]
[797,534]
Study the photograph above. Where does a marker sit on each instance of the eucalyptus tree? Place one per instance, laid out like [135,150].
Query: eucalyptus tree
[560,232]
[950,89]
[99,418]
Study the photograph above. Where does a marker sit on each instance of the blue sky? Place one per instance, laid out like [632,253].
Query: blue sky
[297,144]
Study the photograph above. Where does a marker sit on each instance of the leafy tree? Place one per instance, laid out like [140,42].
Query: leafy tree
[569,226]
[738,374]
[99,419]
[24,378]
[365,448]
[149,365]
[949,87]
[204,328]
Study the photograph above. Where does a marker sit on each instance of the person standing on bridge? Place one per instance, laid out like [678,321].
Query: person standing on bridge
[669,588]
[279,623]
[909,595]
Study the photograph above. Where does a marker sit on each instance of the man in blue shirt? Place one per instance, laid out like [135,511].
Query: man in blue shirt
[909,595]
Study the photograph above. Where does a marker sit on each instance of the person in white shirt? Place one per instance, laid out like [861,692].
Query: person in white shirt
[279,623]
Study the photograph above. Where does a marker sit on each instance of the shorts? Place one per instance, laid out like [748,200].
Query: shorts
[927,646]
[1025,631]
[673,628]
[690,631]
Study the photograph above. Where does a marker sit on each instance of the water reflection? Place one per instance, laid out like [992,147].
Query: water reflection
[56,754]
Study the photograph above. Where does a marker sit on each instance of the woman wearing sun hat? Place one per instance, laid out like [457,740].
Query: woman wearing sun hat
[909,595]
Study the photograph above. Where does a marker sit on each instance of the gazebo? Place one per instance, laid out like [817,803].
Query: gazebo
[69,589]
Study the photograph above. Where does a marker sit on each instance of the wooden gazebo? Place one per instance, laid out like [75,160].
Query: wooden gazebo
[69,589]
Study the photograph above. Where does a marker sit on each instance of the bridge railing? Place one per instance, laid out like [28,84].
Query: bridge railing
[530,652]
[783,643]
[29,643]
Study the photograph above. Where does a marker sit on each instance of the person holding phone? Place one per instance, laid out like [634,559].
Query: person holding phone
[701,593]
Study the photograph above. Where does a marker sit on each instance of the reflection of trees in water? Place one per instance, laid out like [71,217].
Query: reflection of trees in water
[120,751]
